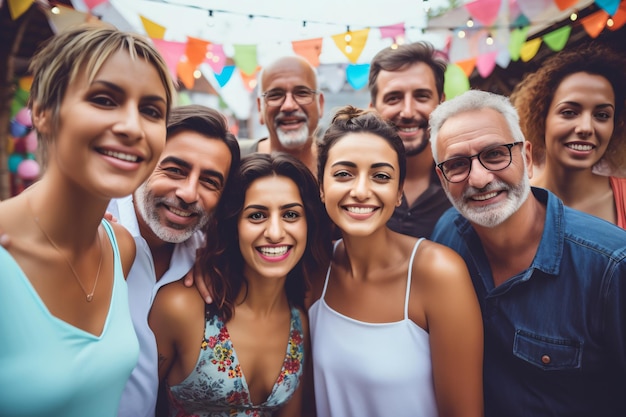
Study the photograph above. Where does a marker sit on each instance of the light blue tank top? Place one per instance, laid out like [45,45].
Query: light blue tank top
[51,368]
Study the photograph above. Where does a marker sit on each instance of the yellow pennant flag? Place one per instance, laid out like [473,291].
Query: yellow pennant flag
[19,7]
[529,49]
[351,43]
[153,29]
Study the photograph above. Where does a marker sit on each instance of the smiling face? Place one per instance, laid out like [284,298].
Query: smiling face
[487,198]
[184,189]
[272,228]
[290,125]
[111,131]
[407,97]
[361,186]
[580,121]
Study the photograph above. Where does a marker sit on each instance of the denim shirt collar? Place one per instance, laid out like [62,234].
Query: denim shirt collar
[550,251]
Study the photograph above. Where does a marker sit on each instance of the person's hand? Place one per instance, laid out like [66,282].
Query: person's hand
[194,276]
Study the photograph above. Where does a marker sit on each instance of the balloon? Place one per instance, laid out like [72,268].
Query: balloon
[14,161]
[28,169]
[30,141]
[23,117]
[17,129]
[19,146]
[456,82]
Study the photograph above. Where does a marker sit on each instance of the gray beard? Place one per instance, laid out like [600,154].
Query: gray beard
[293,139]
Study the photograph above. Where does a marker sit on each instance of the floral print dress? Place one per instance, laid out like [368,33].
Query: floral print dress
[218,388]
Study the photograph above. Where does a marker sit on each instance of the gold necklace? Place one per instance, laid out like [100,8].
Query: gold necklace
[54,245]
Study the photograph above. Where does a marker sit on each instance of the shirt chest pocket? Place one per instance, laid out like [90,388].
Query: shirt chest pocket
[547,353]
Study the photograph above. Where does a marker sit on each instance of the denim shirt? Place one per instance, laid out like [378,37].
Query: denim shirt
[555,334]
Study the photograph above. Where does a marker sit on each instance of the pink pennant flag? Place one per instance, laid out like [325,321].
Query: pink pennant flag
[486,63]
[93,3]
[215,57]
[171,52]
[392,31]
[485,11]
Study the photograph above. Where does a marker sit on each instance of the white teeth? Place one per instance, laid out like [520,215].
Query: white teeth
[122,156]
[408,129]
[360,210]
[578,147]
[274,250]
[179,212]
[485,196]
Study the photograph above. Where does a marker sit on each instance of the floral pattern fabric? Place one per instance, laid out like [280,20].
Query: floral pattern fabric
[217,386]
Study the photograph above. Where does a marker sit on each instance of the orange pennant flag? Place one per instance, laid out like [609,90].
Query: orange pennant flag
[249,80]
[565,4]
[529,49]
[351,43]
[185,70]
[619,18]
[153,29]
[196,50]
[595,22]
[18,7]
[467,65]
[310,49]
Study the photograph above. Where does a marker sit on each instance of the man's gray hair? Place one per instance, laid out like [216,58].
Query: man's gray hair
[469,101]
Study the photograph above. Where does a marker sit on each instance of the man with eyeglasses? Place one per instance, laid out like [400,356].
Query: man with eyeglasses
[290,105]
[551,280]
[406,84]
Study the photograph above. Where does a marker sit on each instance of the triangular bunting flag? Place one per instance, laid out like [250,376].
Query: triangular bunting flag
[215,57]
[93,3]
[196,50]
[518,36]
[455,82]
[18,7]
[594,23]
[565,4]
[357,75]
[485,11]
[392,31]
[245,58]
[249,80]
[351,43]
[609,6]
[557,39]
[529,49]
[521,21]
[223,77]
[467,65]
[334,76]
[486,63]
[185,71]
[153,29]
[620,17]
[171,52]
[309,49]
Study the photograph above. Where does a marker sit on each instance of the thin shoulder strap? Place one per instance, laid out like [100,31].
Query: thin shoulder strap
[408,282]
[328,271]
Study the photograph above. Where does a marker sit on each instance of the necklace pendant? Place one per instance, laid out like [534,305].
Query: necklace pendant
[89,297]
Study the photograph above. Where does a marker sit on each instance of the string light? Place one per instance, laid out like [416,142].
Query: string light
[573,16]
[211,20]
[461,34]
[197,74]
[348,36]
[470,23]
[489,40]
[55,10]
[610,22]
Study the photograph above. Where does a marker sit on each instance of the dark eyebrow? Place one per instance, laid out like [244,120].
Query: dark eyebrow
[260,207]
[184,164]
[353,165]
[120,90]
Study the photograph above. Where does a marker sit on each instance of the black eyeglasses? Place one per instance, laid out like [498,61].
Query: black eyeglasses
[302,96]
[495,158]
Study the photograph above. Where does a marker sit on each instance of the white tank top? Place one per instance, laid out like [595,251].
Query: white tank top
[370,369]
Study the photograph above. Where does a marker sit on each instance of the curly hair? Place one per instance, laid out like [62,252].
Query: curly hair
[534,94]
[220,260]
[349,119]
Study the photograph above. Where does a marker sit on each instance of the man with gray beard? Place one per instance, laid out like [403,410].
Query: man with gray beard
[290,106]
[550,280]
[165,216]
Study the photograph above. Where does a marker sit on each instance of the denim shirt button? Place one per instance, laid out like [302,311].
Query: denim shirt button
[545,359]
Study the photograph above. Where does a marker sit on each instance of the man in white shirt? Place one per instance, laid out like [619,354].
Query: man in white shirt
[165,215]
